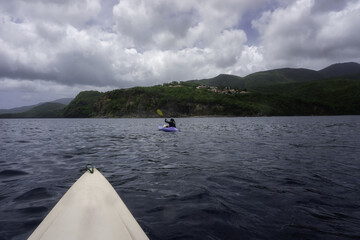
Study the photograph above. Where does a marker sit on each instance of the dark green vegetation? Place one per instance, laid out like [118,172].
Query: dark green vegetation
[334,90]
[323,97]
[173,101]
[83,105]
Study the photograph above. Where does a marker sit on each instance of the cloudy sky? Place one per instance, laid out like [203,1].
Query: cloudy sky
[51,49]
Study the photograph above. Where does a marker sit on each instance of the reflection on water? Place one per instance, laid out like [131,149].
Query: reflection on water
[219,178]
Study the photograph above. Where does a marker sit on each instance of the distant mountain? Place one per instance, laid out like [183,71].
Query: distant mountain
[45,110]
[48,110]
[340,69]
[64,101]
[280,76]
[222,80]
[17,109]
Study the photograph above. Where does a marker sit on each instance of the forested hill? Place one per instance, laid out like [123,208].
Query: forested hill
[335,96]
[334,90]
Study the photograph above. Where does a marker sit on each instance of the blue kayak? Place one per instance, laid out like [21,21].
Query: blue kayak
[168,129]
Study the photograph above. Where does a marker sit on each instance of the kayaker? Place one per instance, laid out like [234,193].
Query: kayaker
[171,122]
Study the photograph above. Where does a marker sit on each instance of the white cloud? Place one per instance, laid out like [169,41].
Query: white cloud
[54,53]
[152,24]
[170,25]
[124,43]
[300,35]
[77,13]
[183,39]
[195,37]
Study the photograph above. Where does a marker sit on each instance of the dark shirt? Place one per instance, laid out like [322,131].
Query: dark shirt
[171,123]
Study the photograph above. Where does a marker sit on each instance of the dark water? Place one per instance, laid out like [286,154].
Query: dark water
[219,178]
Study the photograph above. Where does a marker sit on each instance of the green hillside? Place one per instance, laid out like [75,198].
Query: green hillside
[321,97]
[83,106]
[339,96]
[144,101]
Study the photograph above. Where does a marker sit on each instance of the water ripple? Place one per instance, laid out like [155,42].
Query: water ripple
[219,178]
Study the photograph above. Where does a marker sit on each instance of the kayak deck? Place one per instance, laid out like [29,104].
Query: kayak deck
[90,209]
[168,129]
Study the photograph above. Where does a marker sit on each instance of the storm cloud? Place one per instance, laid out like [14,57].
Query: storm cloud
[67,46]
